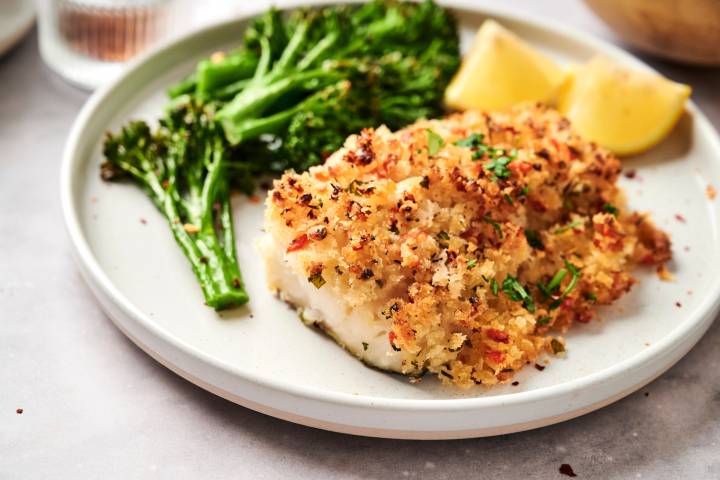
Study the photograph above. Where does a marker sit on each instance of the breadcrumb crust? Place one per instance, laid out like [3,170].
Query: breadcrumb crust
[442,237]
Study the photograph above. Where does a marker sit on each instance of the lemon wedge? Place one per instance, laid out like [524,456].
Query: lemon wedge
[625,111]
[501,70]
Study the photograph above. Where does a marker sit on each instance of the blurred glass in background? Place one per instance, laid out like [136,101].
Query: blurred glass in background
[88,42]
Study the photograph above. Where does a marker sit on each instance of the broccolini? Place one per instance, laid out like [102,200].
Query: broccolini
[297,86]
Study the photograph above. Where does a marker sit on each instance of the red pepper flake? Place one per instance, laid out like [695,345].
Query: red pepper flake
[497,335]
[143,221]
[494,356]
[566,469]
[391,338]
[515,383]
[519,167]
[254,199]
[678,304]
[679,218]
[19,411]
[539,367]
[630,174]
[298,243]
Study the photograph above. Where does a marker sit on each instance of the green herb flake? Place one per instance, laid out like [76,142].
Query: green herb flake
[590,296]
[443,238]
[516,292]
[611,209]
[353,187]
[533,239]
[542,321]
[524,191]
[494,287]
[508,198]
[435,142]
[472,141]
[575,277]
[557,346]
[365,346]
[567,227]
[471,263]
[317,279]
[499,167]
[557,278]
[495,225]
[575,272]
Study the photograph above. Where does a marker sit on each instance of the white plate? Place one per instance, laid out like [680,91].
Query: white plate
[16,18]
[262,357]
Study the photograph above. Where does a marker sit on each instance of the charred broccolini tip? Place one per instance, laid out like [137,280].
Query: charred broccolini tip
[180,166]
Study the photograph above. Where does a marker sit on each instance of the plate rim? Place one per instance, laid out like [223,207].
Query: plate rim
[73,156]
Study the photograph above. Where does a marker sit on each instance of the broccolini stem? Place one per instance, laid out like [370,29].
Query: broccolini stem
[327,42]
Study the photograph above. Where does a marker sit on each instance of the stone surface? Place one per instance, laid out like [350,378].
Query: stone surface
[95,406]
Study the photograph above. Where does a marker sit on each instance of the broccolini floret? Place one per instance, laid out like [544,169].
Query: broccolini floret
[181,167]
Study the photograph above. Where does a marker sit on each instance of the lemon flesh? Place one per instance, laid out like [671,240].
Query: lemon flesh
[501,70]
[625,111]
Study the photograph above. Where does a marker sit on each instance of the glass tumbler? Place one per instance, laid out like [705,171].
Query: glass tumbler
[88,42]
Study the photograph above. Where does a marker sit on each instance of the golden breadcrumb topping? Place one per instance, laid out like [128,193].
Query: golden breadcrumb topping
[485,235]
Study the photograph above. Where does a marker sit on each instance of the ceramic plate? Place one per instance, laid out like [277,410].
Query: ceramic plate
[264,358]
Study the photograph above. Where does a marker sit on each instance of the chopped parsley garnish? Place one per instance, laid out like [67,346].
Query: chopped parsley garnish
[471,263]
[508,198]
[365,346]
[557,346]
[542,321]
[317,279]
[567,227]
[473,141]
[435,142]
[524,191]
[533,239]
[590,296]
[499,167]
[516,292]
[494,287]
[557,278]
[570,286]
[575,277]
[495,225]
[611,209]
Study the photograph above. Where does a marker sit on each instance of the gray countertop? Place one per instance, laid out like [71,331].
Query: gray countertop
[95,406]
